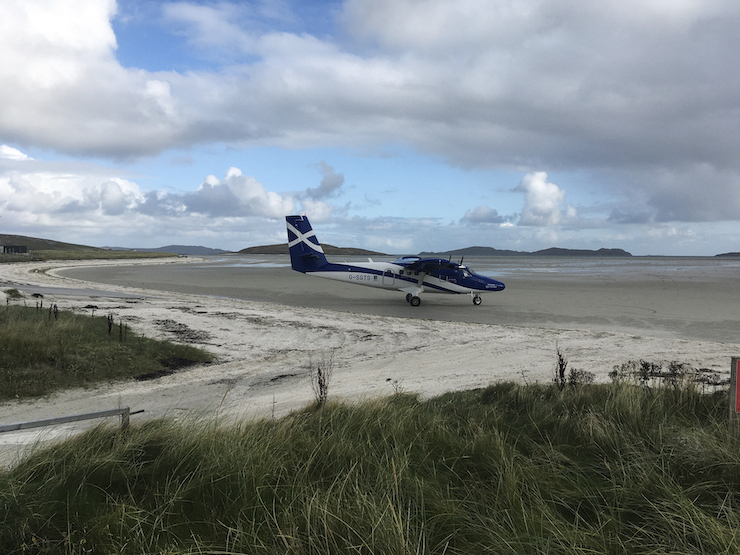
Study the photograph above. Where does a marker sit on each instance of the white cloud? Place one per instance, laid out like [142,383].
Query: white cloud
[113,200]
[10,153]
[318,210]
[482,82]
[34,191]
[542,201]
[214,25]
[64,89]
[330,183]
[236,196]
[484,215]
[643,91]
[52,43]
[447,26]
[678,13]
[542,206]
[89,204]
[86,203]
[255,199]
[160,92]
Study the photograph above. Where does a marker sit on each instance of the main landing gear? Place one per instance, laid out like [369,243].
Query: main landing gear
[413,300]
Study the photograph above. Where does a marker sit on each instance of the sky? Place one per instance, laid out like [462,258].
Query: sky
[396,125]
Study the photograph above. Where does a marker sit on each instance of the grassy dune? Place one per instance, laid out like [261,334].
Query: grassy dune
[47,249]
[80,254]
[612,468]
[44,350]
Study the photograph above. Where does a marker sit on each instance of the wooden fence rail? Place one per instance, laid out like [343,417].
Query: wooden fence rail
[123,412]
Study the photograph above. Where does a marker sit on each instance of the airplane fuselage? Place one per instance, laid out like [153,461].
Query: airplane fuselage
[394,276]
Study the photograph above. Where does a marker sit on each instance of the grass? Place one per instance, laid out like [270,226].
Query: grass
[47,249]
[44,350]
[610,468]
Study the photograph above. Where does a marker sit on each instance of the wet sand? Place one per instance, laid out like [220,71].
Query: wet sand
[696,304]
[280,323]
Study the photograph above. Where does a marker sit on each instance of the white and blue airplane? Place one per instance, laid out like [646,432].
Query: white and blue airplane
[410,274]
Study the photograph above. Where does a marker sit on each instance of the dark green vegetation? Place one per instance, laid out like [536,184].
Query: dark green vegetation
[45,350]
[530,469]
[46,249]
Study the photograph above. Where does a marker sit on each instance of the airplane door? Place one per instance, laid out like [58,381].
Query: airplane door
[389,278]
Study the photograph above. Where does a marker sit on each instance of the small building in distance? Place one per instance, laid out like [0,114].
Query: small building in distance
[15,249]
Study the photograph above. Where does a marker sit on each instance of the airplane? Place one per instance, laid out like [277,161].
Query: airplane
[410,274]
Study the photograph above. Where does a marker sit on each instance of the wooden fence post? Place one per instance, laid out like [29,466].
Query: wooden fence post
[125,418]
[735,395]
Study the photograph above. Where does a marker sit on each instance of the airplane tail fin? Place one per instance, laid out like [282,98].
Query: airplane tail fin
[306,254]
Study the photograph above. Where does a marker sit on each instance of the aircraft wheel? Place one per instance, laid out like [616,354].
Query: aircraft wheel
[415,301]
[477,300]
[408,297]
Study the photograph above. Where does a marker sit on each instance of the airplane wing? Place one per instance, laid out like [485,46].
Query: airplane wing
[428,265]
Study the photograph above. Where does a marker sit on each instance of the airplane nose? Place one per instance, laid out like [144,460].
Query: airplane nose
[493,285]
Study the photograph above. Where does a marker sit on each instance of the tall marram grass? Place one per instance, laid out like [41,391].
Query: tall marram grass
[510,469]
[41,352]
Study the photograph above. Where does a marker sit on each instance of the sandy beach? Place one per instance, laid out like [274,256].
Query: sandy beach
[270,325]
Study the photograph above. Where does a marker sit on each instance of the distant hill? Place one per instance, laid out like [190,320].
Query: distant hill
[186,250]
[554,251]
[35,244]
[581,252]
[47,249]
[474,251]
[729,255]
[282,248]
